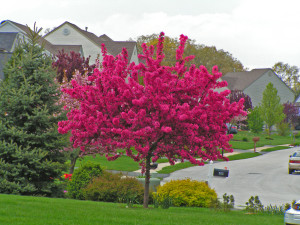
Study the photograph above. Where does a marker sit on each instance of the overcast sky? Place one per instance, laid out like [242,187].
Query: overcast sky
[259,33]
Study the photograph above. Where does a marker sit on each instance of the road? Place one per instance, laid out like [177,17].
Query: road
[265,176]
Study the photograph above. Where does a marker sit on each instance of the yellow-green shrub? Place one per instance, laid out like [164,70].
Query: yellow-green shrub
[186,193]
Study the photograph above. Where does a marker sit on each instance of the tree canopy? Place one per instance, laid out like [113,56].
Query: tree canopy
[289,74]
[208,56]
[270,107]
[175,113]
[30,146]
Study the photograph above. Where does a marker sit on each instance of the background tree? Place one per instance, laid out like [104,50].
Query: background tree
[175,114]
[289,74]
[204,55]
[66,65]
[270,108]
[70,103]
[30,146]
[291,112]
[235,96]
[255,121]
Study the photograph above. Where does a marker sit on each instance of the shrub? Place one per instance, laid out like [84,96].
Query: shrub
[114,188]
[254,205]
[186,193]
[82,177]
[226,205]
[244,139]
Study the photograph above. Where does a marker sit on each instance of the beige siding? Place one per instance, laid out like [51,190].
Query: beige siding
[75,38]
[256,89]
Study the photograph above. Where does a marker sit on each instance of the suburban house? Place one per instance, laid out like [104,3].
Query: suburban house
[68,33]
[254,82]
[67,37]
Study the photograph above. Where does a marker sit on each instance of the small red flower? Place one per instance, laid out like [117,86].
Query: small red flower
[67,176]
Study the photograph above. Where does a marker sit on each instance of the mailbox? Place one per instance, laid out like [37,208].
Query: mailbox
[221,173]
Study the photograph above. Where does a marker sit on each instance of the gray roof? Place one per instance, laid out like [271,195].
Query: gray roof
[7,40]
[4,57]
[67,48]
[242,80]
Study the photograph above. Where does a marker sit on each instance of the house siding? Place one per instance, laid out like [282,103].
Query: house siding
[134,57]
[7,27]
[76,38]
[256,89]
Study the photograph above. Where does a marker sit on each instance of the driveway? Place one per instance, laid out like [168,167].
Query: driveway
[265,176]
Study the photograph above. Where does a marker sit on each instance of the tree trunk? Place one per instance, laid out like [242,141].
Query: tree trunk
[73,162]
[147,181]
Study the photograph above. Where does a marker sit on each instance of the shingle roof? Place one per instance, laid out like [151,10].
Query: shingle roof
[7,40]
[104,37]
[67,48]
[116,47]
[242,80]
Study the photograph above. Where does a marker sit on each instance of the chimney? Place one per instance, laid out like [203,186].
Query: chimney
[86,28]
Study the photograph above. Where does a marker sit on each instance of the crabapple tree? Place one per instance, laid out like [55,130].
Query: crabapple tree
[159,111]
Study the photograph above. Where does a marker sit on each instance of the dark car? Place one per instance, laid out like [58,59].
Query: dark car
[231,129]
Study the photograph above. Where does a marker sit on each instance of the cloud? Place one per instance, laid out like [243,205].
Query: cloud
[258,33]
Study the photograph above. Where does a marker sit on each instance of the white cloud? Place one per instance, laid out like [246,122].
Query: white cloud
[258,33]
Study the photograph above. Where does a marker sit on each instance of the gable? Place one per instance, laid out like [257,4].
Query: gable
[66,34]
[256,89]
[10,27]
[69,33]
[242,80]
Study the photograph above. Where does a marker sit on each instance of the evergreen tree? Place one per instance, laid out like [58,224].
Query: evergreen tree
[271,110]
[30,156]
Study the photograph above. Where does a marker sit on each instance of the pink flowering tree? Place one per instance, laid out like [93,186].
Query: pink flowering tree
[70,103]
[159,111]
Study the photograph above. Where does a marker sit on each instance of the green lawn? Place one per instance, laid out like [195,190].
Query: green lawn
[180,166]
[244,155]
[123,163]
[237,142]
[21,210]
[274,148]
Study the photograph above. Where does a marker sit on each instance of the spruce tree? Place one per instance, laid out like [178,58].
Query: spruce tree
[31,159]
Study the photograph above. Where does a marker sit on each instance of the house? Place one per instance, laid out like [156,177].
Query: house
[68,33]
[254,82]
[66,36]
[7,45]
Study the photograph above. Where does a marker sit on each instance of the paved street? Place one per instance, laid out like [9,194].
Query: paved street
[266,176]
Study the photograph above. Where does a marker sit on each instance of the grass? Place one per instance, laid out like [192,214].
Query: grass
[274,148]
[237,142]
[180,166]
[244,155]
[123,163]
[21,210]
[177,166]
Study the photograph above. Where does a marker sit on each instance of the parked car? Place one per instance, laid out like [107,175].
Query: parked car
[294,162]
[231,129]
[292,215]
